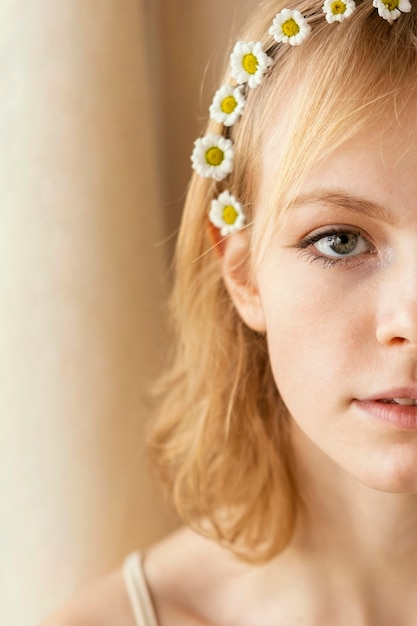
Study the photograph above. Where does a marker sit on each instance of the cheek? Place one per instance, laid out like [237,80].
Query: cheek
[316,334]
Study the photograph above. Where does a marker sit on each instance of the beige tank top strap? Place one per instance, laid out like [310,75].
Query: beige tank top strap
[138,591]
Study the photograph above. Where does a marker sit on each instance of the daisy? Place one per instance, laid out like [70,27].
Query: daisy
[226,213]
[290,27]
[227,106]
[212,156]
[338,10]
[249,63]
[391,10]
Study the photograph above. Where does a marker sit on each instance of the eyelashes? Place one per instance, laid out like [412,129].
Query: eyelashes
[335,245]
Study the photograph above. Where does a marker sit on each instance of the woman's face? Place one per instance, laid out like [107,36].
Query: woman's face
[338,293]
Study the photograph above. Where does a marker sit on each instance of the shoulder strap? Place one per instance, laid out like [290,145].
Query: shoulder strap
[138,591]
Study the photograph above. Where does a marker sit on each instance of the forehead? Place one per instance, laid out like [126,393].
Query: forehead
[381,154]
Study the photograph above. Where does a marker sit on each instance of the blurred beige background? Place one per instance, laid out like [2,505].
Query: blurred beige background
[100,103]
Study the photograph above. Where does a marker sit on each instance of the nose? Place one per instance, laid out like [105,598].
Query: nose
[397,311]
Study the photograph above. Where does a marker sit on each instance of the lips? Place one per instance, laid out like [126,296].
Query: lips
[397,407]
[398,395]
[402,401]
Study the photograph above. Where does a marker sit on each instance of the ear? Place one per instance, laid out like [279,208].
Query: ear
[234,253]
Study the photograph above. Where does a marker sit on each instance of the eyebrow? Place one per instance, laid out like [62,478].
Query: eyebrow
[345,200]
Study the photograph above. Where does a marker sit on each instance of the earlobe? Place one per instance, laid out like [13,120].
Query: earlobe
[234,252]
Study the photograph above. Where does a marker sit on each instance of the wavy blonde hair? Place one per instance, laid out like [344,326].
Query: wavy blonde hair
[220,439]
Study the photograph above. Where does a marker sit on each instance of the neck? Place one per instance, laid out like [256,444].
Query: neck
[363,540]
[357,525]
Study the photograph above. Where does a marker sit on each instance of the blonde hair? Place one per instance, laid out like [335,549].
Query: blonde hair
[220,440]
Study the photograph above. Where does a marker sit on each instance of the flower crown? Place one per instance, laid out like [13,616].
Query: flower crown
[212,156]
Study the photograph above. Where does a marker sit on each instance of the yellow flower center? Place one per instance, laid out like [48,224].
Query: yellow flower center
[391,4]
[214,156]
[338,7]
[229,214]
[290,28]
[250,63]
[229,104]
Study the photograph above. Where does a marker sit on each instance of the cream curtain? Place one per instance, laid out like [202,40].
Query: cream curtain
[99,106]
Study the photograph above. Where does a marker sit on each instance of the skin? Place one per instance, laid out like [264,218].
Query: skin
[337,333]
[350,328]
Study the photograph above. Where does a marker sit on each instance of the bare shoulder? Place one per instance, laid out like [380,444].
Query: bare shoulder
[105,603]
[195,578]
[190,580]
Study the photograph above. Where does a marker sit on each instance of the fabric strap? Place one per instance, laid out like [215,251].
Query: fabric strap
[138,591]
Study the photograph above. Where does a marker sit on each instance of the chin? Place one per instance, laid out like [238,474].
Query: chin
[395,478]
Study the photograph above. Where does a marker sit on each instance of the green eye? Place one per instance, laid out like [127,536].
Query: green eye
[342,244]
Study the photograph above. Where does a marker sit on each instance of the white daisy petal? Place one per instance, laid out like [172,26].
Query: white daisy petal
[212,156]
[249,63]
[391,10]
[290,27]
[226,214]
[227,106]
[404,6]
[338,10]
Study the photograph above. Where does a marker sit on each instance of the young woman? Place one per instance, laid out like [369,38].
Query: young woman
[288,430]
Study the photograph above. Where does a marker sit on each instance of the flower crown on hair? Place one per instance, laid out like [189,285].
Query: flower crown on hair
[212,156]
